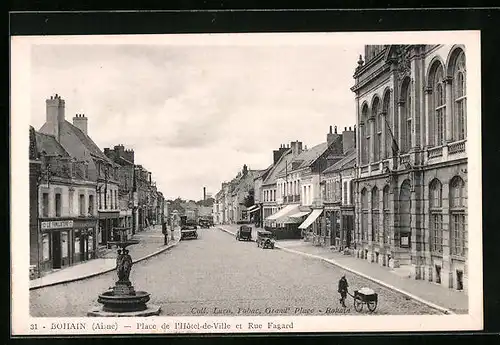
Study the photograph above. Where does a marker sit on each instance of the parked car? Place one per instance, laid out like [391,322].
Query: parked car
[205,223]
[244,233]
[265,239]
[189,228]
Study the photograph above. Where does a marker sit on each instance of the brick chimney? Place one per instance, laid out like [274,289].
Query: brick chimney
[129,155]
[278,153]
[55,115]
[80,122]
[348,139]
[296,147]
[245,170]
[331,137]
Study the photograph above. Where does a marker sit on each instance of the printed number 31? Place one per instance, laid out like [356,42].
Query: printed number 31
[33,327]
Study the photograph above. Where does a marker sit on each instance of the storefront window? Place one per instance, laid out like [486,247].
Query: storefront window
[45,247]
[91,239]
[77,242]
[64,244]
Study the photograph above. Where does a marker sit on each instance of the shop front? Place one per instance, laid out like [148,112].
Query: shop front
[65,242]
[107,221]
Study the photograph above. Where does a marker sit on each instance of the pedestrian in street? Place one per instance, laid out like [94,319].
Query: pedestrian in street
[343,285]
[164,232]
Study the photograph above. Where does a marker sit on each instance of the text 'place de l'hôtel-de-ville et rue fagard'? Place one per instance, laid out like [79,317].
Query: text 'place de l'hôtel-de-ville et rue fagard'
[391,189]
[80,195]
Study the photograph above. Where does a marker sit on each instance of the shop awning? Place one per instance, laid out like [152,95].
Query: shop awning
[284,211]
[286,219]
[299,214]
[309,220]
[253,209]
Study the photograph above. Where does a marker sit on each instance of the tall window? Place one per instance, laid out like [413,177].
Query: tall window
[91,204]
[385,205]
[45,204]
[345,193]
[82,204]
[406,116]
[70,202]
[457,214]
[375,215]
[436,216]
[58,204]
[377,129]
[439,105]
[386,122]
[364,135]
[364,215]
[460,97]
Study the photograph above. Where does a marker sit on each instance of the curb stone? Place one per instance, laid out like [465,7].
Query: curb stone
[391,287]
[104,271]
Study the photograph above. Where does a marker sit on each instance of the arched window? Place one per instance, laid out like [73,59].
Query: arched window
[364,135]
[375,215]
[436,216]
[377,130]
[460,97]
[406,116]
[387,122]
[439,102]
[385,205]
[364,215]
[457,215]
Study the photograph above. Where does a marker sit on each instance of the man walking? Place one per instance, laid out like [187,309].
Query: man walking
[343,285]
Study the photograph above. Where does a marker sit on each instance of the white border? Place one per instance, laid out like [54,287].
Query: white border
[20,117]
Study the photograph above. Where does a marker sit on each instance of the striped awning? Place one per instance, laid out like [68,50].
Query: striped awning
[283,212]
[253,208]
[309,220]
[299,214]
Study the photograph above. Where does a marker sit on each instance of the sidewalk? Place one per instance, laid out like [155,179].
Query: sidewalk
[151,244]
[436,296]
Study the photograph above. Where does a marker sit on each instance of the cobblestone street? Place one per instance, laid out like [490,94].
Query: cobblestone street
[217,275]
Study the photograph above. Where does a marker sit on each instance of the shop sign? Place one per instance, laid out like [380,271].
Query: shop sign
[56,224]
[85,224]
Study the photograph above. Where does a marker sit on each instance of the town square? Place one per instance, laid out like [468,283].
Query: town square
[252,180]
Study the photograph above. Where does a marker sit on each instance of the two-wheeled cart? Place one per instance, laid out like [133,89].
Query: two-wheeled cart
[365,296]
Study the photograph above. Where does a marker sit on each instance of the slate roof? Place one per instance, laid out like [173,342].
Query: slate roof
[86,141]
[279,166]
[347,162]
[48,144]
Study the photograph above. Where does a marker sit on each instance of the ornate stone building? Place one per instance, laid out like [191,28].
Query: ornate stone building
[411,186]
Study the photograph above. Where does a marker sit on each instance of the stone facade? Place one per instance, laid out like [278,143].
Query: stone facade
[411,186]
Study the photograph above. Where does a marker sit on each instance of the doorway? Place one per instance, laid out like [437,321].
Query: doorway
[56,249]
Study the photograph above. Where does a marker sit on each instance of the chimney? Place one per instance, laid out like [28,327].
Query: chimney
[348,140]
[80,122]
[129,155]
[296,147]
[331,137]
[278,153]
[119,150]
[54,115]
[245,170]
[204,193]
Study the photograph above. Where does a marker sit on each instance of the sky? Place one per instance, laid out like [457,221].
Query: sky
[194,115]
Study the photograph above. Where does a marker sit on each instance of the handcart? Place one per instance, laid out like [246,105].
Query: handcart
[365,296]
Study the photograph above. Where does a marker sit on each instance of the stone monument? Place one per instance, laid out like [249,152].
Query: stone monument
[122,299]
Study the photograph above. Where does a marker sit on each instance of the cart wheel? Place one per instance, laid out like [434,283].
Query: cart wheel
[358,304]
[372,305]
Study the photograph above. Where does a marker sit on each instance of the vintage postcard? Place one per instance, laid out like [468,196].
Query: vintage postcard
[246,183]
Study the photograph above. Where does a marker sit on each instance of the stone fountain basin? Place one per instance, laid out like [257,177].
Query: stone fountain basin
[124,303]
[124,244]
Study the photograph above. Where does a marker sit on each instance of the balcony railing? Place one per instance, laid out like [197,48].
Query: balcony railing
[375,166]
[456,147]
[296,198]
[385,165]
[364,169]
[434,152]
[404,159]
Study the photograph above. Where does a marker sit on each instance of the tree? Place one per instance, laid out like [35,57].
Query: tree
[249,198]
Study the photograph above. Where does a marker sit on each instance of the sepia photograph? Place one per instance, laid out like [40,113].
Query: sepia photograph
[190,182]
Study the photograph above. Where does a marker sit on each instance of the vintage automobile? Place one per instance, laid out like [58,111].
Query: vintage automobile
[244,233]
[189,228]
[205,223]
[265,239]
